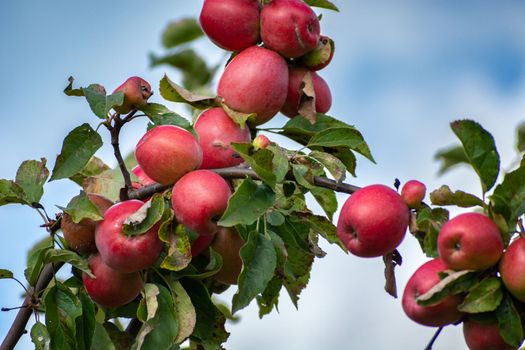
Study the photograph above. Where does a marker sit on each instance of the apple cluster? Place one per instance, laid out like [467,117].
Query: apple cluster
[468,242]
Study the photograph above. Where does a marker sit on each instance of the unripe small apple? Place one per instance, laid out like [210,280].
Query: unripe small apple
[373,221]
[260,142]
[199,199]
[323,96]
[484,336]
[440,314]
[136,91]
[289,27]
[167,152]
[231,24]
[319,57]
[255,81]
[216,132]
[81,236]
[111,288]
[228,243]
[123,253]
[470,241]
[413,193]
[512,268]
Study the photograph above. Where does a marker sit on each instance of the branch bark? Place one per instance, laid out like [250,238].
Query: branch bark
[19,324]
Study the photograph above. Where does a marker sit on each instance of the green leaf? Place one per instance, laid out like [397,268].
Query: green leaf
[280,165]
[145,218]
[40,336]
[444,196]
[68,256]
[5,274]
[301,130]
[32,176]
[101,339]
[119,337]
[107,184]
[269,299]
[80,207]
[520,137]
[326,199]
[179,251]
[161,115]
[175,93]
[303,175]
[455,282]
[62,309]
[259,262]
[341,137]
[69,91]
[451,157]
[239,117]
[35,259]
[195,72]
[509,197]
[148,305]
[509,322]
[483,297]
[268,164]
[99,103]
[325,4]
[186,314]
[12,193]
[428,224]
[180,32]
[480,150]
[249,202]
[324,227]
[95,166]
[160,330]
[275,218]
[85,323]
[331,163]
[78,148]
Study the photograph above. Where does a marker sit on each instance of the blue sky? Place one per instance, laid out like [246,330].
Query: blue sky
[402,71]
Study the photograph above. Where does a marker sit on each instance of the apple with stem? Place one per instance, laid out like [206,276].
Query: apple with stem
[124,253]
[136,91]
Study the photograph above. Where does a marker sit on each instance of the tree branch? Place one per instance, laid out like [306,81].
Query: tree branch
[241,173]
[19,324]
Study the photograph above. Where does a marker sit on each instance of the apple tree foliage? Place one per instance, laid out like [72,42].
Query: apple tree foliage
[268,208]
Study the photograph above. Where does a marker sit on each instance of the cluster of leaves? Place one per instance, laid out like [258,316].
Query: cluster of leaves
[485,294]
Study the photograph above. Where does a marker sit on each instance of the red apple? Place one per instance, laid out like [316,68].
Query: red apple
[216,132]
[470,241]
[228,243]
[484,336]
[201,243]
[231,24]
[373,221]
[126,253]
[136,91]
[167,152]
[199,199]
[260,142]
[111,288]
[413,193]
[81,236]
[289,27]
[323,96]
[512,268]
[440,314]
[144,179]
[319,57]
[255,81]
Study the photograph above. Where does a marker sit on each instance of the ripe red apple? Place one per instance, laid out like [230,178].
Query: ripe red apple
[289,27]
[484,336]
[199,199]
[319,57]
[373,221]
[255,81]
[200,244]
[137,91]
[260,142]
[227,243]
[126,253]
[111,288]
[512,268]
[440,314]
[470,241]
[81,236]
[216,132]
[323,96]
[231,24]
[167,152]
[413,193]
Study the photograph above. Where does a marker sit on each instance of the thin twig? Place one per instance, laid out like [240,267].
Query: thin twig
[434,337]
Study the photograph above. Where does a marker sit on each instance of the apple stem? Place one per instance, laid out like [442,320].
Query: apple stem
[434,338]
